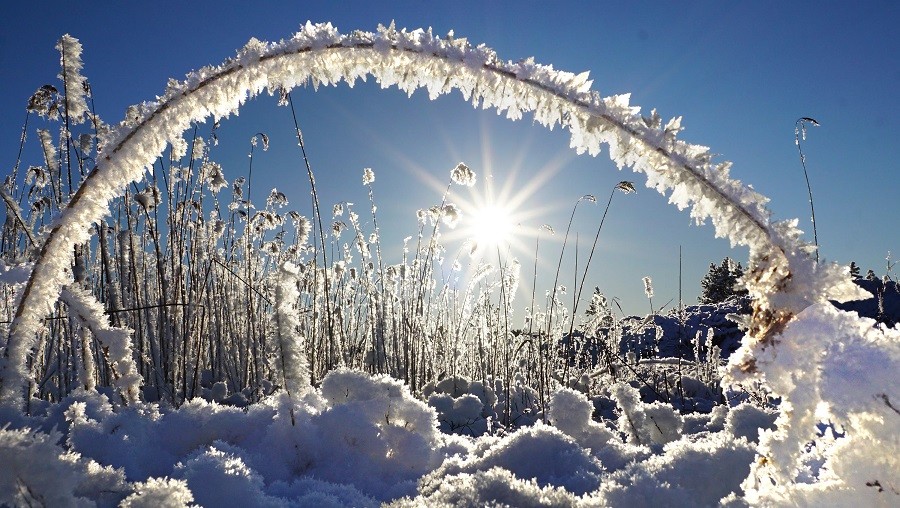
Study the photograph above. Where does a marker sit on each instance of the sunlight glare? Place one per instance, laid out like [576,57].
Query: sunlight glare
[491,226]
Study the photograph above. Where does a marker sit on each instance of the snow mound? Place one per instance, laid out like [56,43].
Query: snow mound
[540,453]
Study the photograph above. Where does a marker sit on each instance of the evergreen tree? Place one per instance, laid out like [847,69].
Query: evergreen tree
[854,271]
[596,306]
[721,282]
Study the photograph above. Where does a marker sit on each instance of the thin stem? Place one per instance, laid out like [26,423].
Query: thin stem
[312,183]
[800,127]
[552,302]
[587,265]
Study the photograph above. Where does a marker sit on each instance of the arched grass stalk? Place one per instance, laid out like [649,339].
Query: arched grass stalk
[800,133]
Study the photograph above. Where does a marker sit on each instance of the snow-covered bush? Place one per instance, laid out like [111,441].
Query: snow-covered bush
[463,407]
[159,492]
[646,424]
[38,472]
[374,430]
[836,367]
[571,412]
[495,486]
[689,472]
[562,462]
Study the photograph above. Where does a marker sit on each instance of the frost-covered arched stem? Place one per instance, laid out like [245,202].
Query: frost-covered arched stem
[319,54]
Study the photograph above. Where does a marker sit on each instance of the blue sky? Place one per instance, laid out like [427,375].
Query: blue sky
[740,73]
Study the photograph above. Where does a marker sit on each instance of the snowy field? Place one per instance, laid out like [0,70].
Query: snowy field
[360,441]
[358,381]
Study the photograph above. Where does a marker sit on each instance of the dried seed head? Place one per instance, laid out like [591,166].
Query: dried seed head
[626,187]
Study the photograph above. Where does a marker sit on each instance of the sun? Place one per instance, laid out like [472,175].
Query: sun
[491,226]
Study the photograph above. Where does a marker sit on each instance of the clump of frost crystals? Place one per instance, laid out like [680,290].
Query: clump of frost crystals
[832,366]
[159,492]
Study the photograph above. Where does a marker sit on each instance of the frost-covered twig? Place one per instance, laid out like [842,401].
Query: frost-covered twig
[294,366]
[116,342]
[12,208]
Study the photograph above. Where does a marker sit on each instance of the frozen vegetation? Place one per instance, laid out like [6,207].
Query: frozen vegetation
[169,343]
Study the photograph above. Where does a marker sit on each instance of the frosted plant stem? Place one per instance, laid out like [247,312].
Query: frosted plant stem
[627,188]
[13,210]
[800,132]
[315,196]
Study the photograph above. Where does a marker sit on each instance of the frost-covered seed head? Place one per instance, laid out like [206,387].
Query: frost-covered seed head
[648,287]
[276,199]
[451,214]
[263,137]
[462,175]
[626,187]
[198,148]
[44,102]
[211,173]
[368,176]
[337,228]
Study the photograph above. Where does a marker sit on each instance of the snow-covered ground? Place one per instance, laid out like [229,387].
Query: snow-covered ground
[363,440]
[359,441]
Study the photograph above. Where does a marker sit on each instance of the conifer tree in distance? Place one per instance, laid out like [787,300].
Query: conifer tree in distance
[721,282]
